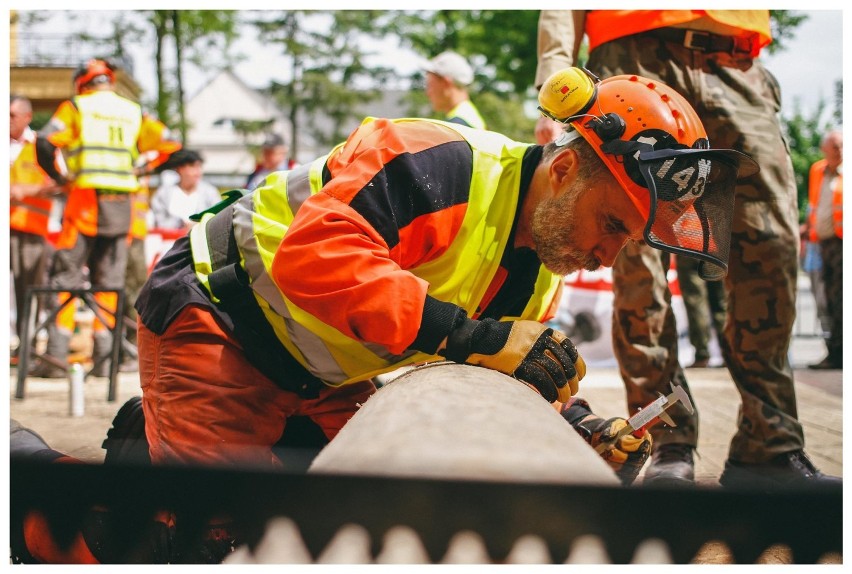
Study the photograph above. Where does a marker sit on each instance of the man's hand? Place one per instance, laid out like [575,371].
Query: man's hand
[547,130]
[528,350]
[626,456]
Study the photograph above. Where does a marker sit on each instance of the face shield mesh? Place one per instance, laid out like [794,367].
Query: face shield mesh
[692,202]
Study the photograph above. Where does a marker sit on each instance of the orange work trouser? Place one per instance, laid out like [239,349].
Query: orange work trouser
[205,403]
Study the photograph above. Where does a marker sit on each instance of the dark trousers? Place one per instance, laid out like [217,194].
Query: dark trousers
[28,255]
[832,274]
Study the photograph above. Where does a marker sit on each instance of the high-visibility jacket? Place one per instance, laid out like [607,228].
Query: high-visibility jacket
[102,134]
[466,114]
[31,214]
[403,210]
[815,179]
[103,154]
[606,25]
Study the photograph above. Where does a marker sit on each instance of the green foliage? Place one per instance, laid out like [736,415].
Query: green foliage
[804,134]
[506,115]
[325,58]
[40,120]
[327,63]
[783,24]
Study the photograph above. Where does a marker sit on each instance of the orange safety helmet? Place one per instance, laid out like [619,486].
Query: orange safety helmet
[92,71]
[655,146]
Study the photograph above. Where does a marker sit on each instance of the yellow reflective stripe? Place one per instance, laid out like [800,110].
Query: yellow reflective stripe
[329,354]
[201,259]
[545,290]
[270,218]
[464,272]
[315,175]
[261,228]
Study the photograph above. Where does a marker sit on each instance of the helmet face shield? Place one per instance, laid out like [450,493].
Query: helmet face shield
[655,146]
[692,201]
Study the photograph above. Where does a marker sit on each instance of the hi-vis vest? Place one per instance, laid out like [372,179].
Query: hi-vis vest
[461,275]
[467,112]
[103,156]
[606,25]
[30,215]
[817,173]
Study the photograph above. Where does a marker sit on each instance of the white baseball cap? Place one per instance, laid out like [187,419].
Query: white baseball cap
[451,65]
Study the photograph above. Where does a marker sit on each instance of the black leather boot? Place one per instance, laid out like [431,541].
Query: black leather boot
[671,465]
[788,469]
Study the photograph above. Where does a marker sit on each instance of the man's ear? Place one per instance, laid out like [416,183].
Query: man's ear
[564,168]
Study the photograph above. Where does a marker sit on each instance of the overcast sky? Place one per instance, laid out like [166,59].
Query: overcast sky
[806,69]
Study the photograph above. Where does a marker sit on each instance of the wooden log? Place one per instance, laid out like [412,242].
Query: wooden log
[451,421]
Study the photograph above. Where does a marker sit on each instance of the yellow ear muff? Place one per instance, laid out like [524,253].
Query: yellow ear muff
[566,93]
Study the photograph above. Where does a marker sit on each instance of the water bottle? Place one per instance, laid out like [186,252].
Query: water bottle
[76,402]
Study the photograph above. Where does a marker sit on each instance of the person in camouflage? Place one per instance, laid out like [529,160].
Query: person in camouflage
[712,61]
[705,304]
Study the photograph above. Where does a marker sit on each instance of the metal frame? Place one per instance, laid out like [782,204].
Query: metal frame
[87,296]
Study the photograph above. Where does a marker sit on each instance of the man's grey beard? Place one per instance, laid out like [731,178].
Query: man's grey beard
[553,231]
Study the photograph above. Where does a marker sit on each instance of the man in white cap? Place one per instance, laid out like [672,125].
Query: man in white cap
[447,78]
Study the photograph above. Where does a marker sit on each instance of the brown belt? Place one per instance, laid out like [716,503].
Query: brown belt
[702,41]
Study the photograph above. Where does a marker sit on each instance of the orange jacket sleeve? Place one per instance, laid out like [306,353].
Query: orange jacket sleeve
[154,136]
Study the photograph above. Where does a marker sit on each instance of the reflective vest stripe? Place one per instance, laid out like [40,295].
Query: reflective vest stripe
[77,150]
[467,112]
[103,156]
[29,207]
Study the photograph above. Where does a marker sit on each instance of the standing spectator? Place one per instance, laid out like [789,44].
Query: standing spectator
[448,76]
[711,58]
[102,133]
[29,206]
[706,309]
[172,204]
[273,157]
[825,225]
[811,264]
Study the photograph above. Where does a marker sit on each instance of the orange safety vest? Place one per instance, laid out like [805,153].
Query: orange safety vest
[30,214]
[817,173]
[605,25]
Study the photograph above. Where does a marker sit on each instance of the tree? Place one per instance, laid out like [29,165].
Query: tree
[503,63]
[200,37]
[195,35]
[330,80]
[783,24]
[804,134]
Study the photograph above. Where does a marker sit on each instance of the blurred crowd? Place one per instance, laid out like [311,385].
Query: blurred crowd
[85,193]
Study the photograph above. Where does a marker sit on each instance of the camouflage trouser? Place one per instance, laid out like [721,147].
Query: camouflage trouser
[738,102]
[705,304]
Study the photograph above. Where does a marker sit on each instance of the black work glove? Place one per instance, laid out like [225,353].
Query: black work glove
[626,456]
[527,350]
